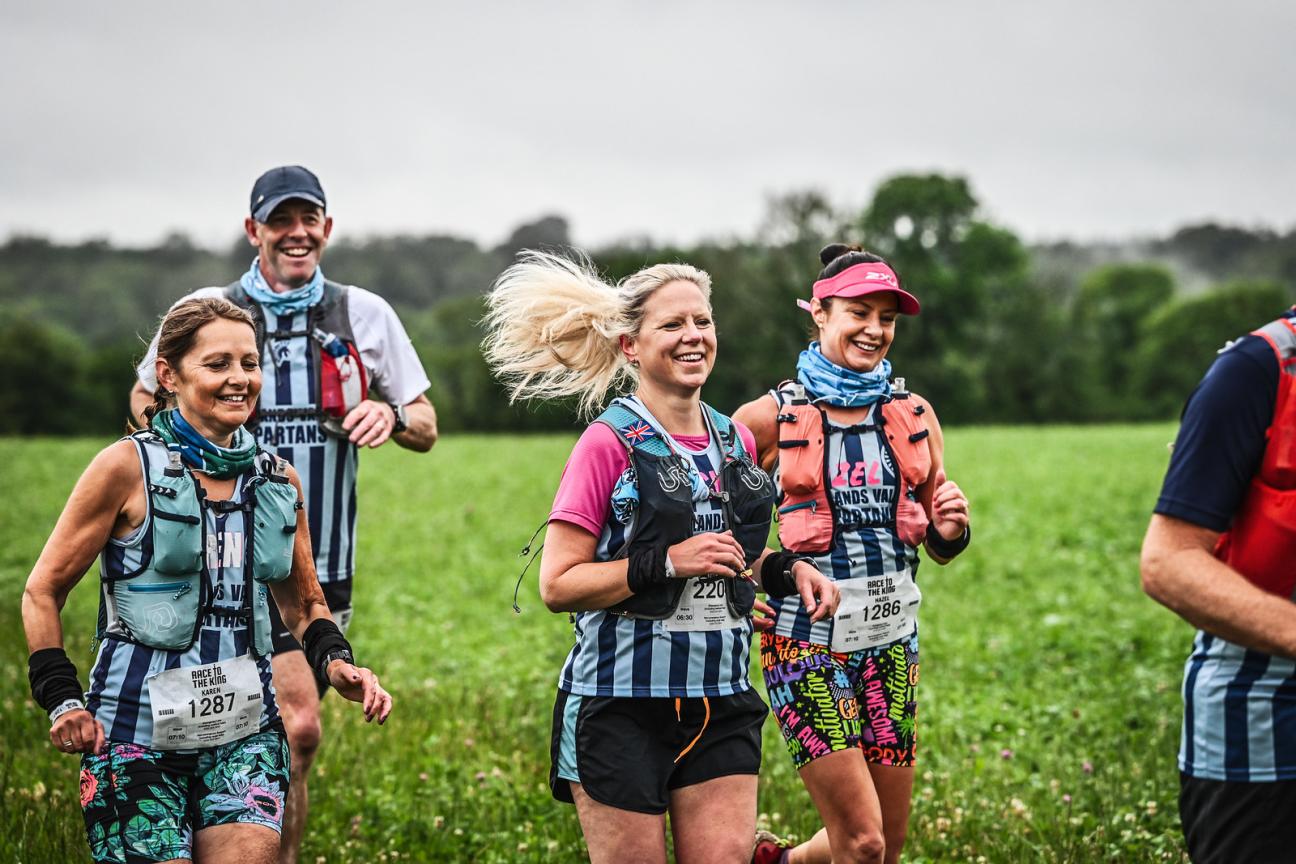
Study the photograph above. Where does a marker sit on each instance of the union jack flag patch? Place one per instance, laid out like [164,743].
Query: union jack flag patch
[638,432]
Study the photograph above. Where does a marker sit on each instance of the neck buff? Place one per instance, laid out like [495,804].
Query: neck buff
[285,302]
[839,386]
[199,453]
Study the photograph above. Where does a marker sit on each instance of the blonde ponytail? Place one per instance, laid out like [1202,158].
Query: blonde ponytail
[554,328]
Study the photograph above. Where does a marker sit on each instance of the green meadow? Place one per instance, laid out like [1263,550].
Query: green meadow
[1049,698]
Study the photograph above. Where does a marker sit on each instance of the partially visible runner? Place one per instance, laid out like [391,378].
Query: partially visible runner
[324,347]
[1220,552]
[659,522]
[183,753]
[859,465]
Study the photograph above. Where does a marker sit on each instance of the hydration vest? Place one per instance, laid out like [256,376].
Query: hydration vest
[665,510]
[806,517]
[162,602]
[342,383]
[1261,541]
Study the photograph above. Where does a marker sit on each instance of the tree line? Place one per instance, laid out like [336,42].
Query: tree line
[1058,332]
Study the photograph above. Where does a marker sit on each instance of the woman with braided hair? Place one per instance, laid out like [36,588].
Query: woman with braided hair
[655,540]
[183,755]
[859,465]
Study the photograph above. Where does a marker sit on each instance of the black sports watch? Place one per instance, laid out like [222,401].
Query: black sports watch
[402,419]
[340,654]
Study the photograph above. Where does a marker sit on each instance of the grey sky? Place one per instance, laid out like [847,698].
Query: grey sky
[672,119]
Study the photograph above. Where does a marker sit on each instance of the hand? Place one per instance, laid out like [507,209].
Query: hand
[77,732]
[765,620]
[708,554]
[819,594]
[370,423]
[949,508]
[361,685]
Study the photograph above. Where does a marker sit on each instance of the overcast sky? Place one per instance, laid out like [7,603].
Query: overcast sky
[671,119]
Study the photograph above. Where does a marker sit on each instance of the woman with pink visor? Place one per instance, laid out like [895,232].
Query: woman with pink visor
[858,462]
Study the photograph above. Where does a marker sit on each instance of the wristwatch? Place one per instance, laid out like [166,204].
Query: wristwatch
[402,419]
[341,654]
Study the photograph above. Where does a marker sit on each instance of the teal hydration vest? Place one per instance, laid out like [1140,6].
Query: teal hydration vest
[161,593]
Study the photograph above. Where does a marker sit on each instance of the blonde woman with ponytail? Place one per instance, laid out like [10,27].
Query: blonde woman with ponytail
[655,543]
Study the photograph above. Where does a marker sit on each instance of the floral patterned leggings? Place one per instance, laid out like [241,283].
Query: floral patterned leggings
[142,804]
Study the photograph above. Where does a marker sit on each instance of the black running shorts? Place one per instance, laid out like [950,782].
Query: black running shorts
[1226,822]
[630,753]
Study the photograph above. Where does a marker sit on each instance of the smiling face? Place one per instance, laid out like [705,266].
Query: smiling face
[291,242]
[217,381]
[676,344]
[856,332]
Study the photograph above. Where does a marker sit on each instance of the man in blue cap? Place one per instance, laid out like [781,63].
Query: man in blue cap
[325,348]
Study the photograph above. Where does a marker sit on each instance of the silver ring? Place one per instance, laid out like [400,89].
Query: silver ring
[67,743]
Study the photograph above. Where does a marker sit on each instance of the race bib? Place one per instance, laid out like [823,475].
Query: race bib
[703,606]
[875,611]
[202,706]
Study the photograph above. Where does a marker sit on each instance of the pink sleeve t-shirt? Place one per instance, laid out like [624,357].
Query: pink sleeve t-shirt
[596,463]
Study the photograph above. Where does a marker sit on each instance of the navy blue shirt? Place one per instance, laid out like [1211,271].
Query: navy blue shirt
[1222,436]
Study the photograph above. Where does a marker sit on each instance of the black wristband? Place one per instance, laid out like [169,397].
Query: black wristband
[776,573]
[321,639]
[947,549]
[53,678]
[646,568]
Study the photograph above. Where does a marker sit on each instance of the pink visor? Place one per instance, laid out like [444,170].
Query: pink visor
[861,279]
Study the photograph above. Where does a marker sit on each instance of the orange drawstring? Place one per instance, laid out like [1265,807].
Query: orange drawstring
[705,720]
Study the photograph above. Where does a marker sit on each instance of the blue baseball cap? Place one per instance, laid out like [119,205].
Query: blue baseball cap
[281,184]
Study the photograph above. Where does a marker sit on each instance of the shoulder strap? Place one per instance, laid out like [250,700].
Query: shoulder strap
[726,430]
[235,294]
[1281,336]
[906,415]
[333,313]
[271,466]
[635,432]
[790,391]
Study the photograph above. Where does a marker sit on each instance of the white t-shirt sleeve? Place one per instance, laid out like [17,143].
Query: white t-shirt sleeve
[146,371]
[385,348]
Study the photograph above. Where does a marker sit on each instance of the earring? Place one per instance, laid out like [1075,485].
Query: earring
[634,361]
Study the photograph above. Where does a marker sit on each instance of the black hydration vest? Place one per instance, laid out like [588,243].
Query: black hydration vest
[665,509]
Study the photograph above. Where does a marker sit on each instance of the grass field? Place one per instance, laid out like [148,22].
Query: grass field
[1049,694]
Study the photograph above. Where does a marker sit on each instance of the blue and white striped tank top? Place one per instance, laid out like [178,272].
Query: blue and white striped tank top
[326,465]
[863,482]
[1239,713]
[119,695]
[618,656]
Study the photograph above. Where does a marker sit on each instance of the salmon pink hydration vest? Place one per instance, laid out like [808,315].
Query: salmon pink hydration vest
[1261,542]
[805,514]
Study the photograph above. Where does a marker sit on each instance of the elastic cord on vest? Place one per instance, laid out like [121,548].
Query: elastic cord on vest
[53,678]
[321,639]
[647,568]
[776,573]
[947,549]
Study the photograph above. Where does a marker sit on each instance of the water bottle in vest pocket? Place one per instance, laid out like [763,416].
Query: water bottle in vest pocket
[275,526]
[177,541]
[910,443]
[343,382]
[804,516]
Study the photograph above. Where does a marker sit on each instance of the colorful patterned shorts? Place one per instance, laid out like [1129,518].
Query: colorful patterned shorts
[825,701]
[142,804]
